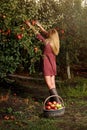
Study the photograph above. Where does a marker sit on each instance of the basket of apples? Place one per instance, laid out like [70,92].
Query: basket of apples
[53,108]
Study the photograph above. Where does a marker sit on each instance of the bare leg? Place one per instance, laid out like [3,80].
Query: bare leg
[53,81]
[50,81]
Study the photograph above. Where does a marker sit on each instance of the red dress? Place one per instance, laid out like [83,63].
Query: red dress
[49,58]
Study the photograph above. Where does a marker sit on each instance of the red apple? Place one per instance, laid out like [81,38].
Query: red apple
[62,31]
[19,36]
[6,117]
[48,107]
[52,106]
[54,102]
[55,108]
[49,103]
[8,32]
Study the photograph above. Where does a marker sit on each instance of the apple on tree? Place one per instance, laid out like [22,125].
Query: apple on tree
[3,16]
[19,36]
[36,49]
[8,32]
[62,31]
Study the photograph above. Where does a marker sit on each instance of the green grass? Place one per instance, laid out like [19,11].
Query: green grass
[76,88]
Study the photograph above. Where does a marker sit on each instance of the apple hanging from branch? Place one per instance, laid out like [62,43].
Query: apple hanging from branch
[19,36]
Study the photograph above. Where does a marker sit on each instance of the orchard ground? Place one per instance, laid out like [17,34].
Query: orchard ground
[21,105]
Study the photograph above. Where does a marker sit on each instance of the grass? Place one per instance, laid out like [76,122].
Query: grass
[76,88]
[26,112]
[22,125]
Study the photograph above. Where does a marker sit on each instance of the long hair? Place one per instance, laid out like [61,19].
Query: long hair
[53,39]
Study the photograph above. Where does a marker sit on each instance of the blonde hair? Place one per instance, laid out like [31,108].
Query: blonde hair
[53,39]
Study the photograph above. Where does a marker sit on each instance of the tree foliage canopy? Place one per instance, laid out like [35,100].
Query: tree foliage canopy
[67,16]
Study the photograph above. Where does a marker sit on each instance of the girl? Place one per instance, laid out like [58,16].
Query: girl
[51,49]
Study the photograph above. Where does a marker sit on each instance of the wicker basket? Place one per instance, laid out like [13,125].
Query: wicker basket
[52,112]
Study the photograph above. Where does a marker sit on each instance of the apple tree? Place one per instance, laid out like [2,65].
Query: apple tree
[16,42]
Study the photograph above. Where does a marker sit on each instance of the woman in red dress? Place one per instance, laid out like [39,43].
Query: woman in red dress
[51,49]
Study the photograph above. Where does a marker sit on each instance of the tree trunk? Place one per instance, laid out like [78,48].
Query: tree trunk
[68,65]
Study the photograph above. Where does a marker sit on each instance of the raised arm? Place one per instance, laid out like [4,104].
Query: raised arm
[40,26]
[38,35]
[31,26]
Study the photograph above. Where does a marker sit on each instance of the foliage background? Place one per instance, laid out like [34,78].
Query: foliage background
[68,17]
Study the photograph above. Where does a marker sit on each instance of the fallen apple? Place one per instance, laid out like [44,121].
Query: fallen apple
[6,117]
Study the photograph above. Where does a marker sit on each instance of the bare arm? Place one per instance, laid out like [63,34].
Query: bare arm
[38,35]
[40,26]
[31,26]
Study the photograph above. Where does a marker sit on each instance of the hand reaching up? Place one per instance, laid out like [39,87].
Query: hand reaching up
[38,24]
[41,27]
[31,26]
[28,23]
